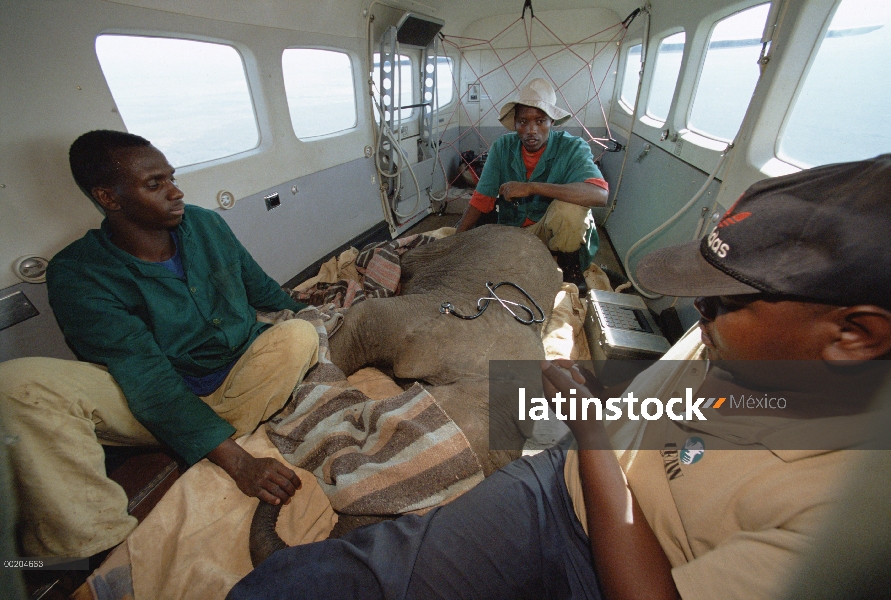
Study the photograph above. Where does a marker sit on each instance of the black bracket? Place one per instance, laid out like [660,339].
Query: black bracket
[528,5]
[613,146]
[630,18]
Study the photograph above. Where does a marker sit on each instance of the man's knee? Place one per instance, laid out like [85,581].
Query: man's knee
[296,341]
[30,380]
[565,226]
[562,215]
[18,372]
[298,333]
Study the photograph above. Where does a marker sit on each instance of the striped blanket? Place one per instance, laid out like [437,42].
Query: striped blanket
[377,264]
[372,457]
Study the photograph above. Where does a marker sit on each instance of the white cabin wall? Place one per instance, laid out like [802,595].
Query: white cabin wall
[565,66]
[658,177]
[795,39]
[54,90]
[799,29]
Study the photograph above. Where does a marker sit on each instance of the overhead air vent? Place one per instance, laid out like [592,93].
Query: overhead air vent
[417,30]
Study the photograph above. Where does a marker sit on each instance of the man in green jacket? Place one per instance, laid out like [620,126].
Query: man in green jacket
[546,180]
[159,305]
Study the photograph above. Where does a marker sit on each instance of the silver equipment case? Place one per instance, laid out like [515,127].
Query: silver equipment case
[620,326]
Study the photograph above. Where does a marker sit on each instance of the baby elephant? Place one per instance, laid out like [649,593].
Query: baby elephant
[413,337]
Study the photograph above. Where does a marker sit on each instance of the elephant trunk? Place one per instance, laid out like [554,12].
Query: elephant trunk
[263,539]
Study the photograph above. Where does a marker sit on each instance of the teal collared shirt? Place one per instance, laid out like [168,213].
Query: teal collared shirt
[566,159]
[149,327]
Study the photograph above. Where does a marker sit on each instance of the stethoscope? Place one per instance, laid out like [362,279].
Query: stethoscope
[447,308]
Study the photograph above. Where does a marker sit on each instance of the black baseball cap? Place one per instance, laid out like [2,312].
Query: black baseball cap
[822,234]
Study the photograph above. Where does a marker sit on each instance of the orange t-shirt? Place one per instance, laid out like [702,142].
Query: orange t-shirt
[486,204]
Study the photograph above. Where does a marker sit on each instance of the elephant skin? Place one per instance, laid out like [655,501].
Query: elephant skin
[408,337]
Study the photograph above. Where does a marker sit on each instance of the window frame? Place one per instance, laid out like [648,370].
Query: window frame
[620,81]
[354,63]
[454,97]
[245,56]
[646,117]
[779,164]
[697,136]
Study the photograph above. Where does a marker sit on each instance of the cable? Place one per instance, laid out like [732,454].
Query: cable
[674,218]
[434,133]
[384,131]
[369,57]
[645,49]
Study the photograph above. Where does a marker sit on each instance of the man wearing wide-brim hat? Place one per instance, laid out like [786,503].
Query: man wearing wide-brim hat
[542,179]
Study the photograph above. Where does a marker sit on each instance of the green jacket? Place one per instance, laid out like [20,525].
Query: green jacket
[149,327]
[566,159]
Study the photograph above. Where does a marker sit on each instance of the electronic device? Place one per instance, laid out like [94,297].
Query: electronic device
[418,30]
[620,326]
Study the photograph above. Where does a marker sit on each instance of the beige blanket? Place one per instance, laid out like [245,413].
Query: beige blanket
[193,545]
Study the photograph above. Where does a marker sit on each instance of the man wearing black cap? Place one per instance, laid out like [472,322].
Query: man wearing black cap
[798,271]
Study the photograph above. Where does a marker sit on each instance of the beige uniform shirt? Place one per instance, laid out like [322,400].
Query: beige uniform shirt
[733,523]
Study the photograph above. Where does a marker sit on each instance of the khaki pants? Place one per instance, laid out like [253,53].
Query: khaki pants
[564,226]
[60,411]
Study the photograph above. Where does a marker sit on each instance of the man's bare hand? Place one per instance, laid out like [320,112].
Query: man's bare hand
[564,376]
[263,478]
[514,189]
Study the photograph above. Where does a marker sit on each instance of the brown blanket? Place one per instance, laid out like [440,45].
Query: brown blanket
[372,457]
[379,270]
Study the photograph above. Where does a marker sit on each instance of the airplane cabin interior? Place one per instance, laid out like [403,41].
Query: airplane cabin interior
[316,129]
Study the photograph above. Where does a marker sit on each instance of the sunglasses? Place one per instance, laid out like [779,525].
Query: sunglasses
[711,307]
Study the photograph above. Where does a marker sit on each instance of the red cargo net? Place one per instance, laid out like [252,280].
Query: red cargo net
[518,74]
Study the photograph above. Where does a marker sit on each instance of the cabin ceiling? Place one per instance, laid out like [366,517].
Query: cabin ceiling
[344,17]
[460,13]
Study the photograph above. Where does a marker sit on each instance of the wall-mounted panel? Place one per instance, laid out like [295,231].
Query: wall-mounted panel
[37,336]
[317,213]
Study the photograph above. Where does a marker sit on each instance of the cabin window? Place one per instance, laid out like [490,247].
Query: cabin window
[445,87]
[665,76]
[402,78]
[631,78]
[189,98]
[729,74]
[320,91]
[841,111]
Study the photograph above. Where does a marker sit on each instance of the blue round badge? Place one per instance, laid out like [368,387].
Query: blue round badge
[692,451]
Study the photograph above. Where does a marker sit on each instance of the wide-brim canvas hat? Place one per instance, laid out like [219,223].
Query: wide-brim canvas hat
[820,235]
[539,94]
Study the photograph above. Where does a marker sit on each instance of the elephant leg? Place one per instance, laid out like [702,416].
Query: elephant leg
[467,404]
